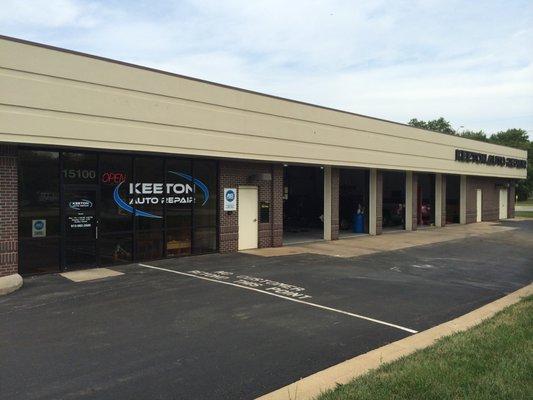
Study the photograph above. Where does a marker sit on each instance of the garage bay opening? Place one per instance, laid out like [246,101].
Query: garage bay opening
[303,204]
[453,195]
[353,202]
[426,200]
[393,200]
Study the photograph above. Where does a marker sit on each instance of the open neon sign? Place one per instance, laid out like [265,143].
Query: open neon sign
[113,177]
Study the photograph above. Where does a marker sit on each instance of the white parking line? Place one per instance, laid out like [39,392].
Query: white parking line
[377,321]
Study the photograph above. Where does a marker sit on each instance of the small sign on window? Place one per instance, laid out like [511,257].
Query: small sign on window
[38,228]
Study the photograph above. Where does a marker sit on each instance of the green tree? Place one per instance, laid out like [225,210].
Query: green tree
[511,137]
[519,139]
[437,125]
[479,135]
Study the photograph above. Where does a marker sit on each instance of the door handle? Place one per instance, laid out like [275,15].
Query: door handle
[255,220]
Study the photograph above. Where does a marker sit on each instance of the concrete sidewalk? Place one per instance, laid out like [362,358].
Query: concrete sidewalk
[363,245]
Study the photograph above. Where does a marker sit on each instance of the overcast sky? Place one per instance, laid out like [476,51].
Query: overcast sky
[468,61]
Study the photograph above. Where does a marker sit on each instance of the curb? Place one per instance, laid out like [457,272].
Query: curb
[313,385]
[10,283]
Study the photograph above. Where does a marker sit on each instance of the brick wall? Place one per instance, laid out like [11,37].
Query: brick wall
[490,197]
[237,173]
[277,206]
[335,174]
[8,210]
[511,200]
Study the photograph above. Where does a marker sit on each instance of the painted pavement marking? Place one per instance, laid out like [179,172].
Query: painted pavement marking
[216,277]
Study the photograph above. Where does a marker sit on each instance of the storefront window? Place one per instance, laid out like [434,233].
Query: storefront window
[149,245]
[148,193]
[115,177]
[178,207]
[205,206]
[39,223]
[79,168]
[116,222]
[81,209]
[116,248]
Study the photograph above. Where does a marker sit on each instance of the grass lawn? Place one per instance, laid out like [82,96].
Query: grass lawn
[528,214]
[528,202]
[493,360]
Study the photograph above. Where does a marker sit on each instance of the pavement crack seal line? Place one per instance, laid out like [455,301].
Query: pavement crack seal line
[307,303]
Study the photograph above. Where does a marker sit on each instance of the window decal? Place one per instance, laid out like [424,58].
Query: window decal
[152,193]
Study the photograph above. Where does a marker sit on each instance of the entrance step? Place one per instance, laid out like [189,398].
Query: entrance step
[90,274]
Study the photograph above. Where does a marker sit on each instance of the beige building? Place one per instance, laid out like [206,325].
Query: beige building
[104,162]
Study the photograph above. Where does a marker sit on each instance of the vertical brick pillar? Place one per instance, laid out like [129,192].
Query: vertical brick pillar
[511,199]
[228,227]
[8,211]
[277,205]
[233,174]
[335,173]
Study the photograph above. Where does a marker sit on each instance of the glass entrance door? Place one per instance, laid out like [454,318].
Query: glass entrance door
[80,227]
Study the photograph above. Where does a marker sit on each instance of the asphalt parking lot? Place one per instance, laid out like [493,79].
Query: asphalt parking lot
[238,326]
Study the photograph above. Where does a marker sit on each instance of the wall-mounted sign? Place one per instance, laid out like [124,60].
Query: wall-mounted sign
[230,199]
[264,212]
[38,228]
[158,193]
[489,159]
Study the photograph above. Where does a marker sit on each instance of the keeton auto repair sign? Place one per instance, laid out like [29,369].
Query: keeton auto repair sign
[156,193]
[141,194]
[488,159]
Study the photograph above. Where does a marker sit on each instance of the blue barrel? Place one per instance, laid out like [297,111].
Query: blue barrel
[359,223]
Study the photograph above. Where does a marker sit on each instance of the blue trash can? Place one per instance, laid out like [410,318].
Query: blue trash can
[358,223]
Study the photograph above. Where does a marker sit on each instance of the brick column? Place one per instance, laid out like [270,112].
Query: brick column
[269,180]
[8,211]
[511,199]
[277,205]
